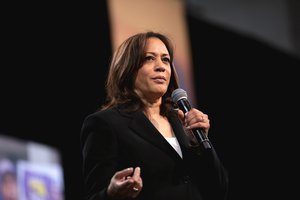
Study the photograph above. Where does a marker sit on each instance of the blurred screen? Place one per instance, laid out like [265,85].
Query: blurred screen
[29,171]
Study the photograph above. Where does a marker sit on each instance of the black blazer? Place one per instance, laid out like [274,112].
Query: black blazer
[113,140]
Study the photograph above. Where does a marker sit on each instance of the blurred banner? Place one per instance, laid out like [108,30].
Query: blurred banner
[29,171]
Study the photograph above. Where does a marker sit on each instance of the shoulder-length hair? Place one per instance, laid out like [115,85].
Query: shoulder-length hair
[123,69]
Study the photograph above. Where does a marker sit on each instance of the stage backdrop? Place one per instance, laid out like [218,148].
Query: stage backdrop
[168,17]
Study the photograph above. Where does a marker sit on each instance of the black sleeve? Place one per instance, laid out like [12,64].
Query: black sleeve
[99,151]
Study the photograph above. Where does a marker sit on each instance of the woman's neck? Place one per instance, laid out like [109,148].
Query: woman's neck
[160,122]
[152,107]
[152,110]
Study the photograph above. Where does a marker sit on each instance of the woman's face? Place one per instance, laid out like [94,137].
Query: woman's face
[154,76]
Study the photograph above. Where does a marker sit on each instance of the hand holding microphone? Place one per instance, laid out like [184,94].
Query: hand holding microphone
[179,96]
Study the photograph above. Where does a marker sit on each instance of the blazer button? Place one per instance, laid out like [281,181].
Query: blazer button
[186,179]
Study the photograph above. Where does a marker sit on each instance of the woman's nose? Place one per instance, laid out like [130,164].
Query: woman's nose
[159,66]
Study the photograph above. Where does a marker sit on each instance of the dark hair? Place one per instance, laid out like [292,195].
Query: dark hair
[125,63]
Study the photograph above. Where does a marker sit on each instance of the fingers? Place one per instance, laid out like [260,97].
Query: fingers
[132,178]
[138,182]
[126,183]
[181,115]
[196,119]
[121,175]
[118,183]
[137,173]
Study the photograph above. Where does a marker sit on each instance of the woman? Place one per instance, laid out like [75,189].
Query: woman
[138,145]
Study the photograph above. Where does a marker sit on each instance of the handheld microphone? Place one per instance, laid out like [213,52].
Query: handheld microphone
[179,96]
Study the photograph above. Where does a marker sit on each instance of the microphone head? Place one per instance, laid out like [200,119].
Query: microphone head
[178,94]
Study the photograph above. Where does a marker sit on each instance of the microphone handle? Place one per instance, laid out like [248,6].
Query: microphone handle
[184,105]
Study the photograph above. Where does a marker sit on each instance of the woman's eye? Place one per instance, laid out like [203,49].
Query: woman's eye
[149,58]
[152,58]
[166,60]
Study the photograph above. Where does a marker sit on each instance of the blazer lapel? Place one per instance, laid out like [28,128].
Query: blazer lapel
[178,130]
[143,127]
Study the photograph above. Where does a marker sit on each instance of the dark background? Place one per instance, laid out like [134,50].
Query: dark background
[54,63]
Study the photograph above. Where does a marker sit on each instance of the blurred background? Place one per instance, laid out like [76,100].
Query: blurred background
[238,60]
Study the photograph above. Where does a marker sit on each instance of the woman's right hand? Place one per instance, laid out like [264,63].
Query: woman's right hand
[194,119]
[125,183]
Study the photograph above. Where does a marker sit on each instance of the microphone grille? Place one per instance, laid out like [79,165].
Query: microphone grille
[178,94]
